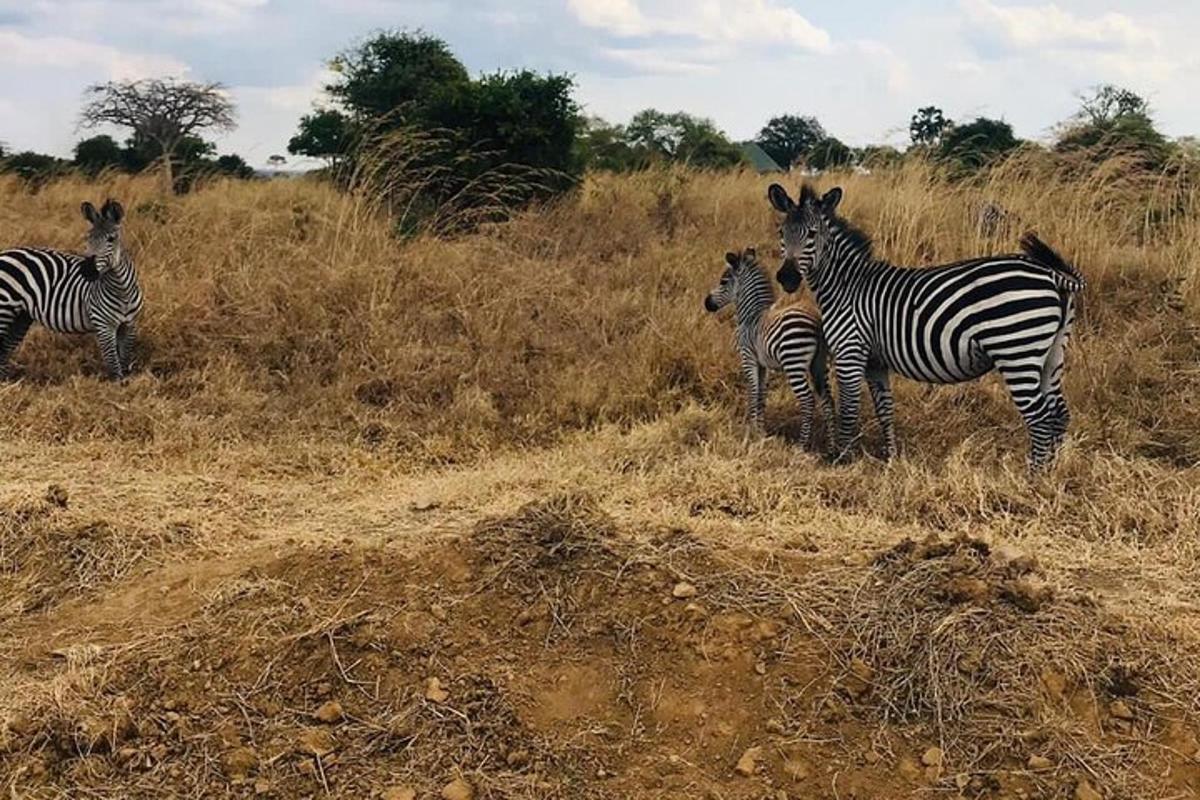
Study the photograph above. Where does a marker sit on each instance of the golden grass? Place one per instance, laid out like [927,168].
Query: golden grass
[307,376]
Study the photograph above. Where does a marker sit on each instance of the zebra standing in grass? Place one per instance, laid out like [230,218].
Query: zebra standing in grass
[92,293]
[786,339]
[942,324]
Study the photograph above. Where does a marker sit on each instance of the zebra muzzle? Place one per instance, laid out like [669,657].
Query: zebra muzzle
[789,276]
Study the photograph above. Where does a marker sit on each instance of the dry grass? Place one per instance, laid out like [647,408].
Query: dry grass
[307,376]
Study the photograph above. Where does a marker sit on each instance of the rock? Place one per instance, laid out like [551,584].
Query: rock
[434,691]
[747,765]
[424,504]
[262,786]
[683,590]
[239,763]
[438,613]
[1039,763]
[330,712]
[400,793]
[458,789]
[1085,791]
[797,769]
[933,757]
[1120,710]
[316,742]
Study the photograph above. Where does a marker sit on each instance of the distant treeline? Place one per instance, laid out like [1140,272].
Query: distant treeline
[404,117]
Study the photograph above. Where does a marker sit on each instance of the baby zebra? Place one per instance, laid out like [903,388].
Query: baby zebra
[71,293]
[787,339]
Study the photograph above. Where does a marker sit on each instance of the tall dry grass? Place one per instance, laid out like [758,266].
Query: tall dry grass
[287,313]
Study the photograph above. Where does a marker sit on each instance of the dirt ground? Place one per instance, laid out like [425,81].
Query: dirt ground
[537,627]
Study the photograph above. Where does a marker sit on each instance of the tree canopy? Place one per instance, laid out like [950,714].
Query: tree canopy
[927,126]
[788,138]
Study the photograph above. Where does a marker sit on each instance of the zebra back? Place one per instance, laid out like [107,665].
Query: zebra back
[1065,275]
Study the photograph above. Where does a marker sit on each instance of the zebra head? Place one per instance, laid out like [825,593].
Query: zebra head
[103,249]
[726,290]
[805,233]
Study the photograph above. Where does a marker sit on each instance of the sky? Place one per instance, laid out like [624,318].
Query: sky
[860,66]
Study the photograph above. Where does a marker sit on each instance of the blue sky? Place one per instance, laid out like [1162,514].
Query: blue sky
[860,66]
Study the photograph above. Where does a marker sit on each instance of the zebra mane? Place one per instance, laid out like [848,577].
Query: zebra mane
[858,238]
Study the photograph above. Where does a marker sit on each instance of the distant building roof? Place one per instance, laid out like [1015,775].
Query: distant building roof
[759,158]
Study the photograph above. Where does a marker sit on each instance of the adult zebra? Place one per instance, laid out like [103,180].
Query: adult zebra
[96,292]
[943,324]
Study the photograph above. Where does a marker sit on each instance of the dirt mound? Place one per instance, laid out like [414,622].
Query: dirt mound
[47,553]
[549,654]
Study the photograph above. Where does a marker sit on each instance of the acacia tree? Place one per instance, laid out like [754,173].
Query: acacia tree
[164,112]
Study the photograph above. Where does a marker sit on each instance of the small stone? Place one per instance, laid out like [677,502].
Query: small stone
[458,789]
[262,786]
[1085,791]
[240,762]
[933,757]
[747,765]
[330,712]
[424,504]
[438,612]
[400,793]
[316,742]
[1120,710]
[1039,763]
[871,757]
[517,759]
[434,691]
[683,590]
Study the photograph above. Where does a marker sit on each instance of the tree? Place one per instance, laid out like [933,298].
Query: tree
[395,72]
[788,138]
[98,153]
[928,126]
[829,153]
[876,156]
[682,138]
[603,146]
[276,161]
[35,168]
[324,134]
[976,144]
[1114,121]
[234,166]
[163,113]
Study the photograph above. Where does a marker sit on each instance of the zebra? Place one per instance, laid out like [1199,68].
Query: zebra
[96,292]
[768,338]
[944,324]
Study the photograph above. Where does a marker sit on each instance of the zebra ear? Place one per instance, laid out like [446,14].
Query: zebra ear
[732,259]
[831,199]
[113,212]
[779,198]
[90,213]
[750,253]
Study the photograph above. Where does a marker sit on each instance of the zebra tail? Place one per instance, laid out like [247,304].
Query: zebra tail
[1066,276]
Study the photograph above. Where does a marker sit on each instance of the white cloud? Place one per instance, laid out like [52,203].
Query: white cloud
[185,17]
[710,20]
[60,52]
[657,61]
[1049,26]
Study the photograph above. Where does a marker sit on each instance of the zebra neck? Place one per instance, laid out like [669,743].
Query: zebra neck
[844,264]
[754,297]
[122,276]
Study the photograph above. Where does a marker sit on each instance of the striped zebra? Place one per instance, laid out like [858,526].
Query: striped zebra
[71,293]
[768,338]
[942,324]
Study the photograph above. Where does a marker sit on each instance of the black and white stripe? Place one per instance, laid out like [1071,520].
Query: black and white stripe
[788,340]
[942,324]
[73,293]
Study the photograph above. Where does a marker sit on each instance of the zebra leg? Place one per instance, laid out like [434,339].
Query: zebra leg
[125,338]
[850,367]
[106,337]
[885,408]
[820,383]
[13,327]
[1036,407]
[798,381]
[755,392]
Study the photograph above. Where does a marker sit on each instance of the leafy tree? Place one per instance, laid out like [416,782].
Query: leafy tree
[1115,121]
[395,73]
[875,156]
[35,168]
[679,137]
[234,166]
[324,134]
[604,146]
[788,138]
[98,153]
[829,153]
[928,126]
[276,161]
[976,144]
[164,114]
